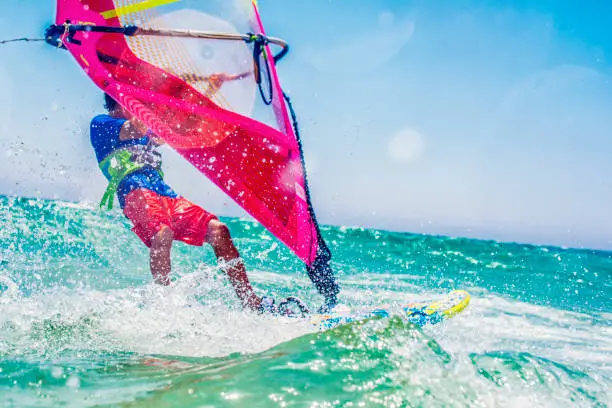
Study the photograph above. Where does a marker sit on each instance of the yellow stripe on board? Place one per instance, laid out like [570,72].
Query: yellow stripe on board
[134,8]
[465,301]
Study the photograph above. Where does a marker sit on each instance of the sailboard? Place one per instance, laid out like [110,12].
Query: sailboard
[420,313]
[201,74]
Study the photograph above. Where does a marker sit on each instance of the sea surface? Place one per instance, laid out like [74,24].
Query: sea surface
[82,325]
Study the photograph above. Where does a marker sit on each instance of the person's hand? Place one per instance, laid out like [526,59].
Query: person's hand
[156,139]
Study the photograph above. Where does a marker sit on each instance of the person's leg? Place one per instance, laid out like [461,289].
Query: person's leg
[218,236]
[151,223]
[160,261]
[195,226]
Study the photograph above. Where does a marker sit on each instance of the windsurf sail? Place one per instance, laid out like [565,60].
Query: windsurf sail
[201,75]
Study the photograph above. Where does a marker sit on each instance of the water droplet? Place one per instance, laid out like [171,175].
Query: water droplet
[57,372]
[73,382]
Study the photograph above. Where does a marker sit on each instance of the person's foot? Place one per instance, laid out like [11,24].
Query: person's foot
[267,305]
[163,280]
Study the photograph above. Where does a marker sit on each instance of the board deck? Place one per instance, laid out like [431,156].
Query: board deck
[421,312]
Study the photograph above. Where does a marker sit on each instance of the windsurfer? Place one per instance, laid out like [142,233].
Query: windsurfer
[127,155]
[257,163]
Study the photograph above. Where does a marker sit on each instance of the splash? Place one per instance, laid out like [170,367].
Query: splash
[81,324]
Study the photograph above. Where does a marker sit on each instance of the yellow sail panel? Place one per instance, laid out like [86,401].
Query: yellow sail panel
[134,8]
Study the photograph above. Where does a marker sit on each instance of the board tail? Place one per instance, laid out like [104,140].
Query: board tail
[420,313]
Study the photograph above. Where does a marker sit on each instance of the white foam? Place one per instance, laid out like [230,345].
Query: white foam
[493,323]
[149,320]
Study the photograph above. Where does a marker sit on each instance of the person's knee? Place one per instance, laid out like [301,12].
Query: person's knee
[163,238]
[218,233]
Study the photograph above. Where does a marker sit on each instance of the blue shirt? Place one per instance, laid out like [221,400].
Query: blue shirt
[104,134]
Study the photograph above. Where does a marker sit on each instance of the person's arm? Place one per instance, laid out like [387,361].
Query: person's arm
[215,81]
[135,129]
[132,129]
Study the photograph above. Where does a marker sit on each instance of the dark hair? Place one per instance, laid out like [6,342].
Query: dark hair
[109,103]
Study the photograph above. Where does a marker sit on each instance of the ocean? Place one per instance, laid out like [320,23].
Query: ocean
[81,323]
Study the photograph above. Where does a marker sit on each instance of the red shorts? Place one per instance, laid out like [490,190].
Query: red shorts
[150,212]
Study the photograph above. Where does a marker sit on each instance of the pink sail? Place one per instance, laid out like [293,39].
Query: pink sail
[257,165]
[216,100]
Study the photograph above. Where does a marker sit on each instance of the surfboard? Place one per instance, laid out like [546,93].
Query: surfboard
[421,313]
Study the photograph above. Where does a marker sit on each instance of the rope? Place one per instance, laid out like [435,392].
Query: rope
[24,39]
[320,273]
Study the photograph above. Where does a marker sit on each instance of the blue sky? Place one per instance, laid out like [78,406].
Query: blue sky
[474,118]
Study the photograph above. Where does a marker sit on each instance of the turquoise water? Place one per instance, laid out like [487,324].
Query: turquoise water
[82,325]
